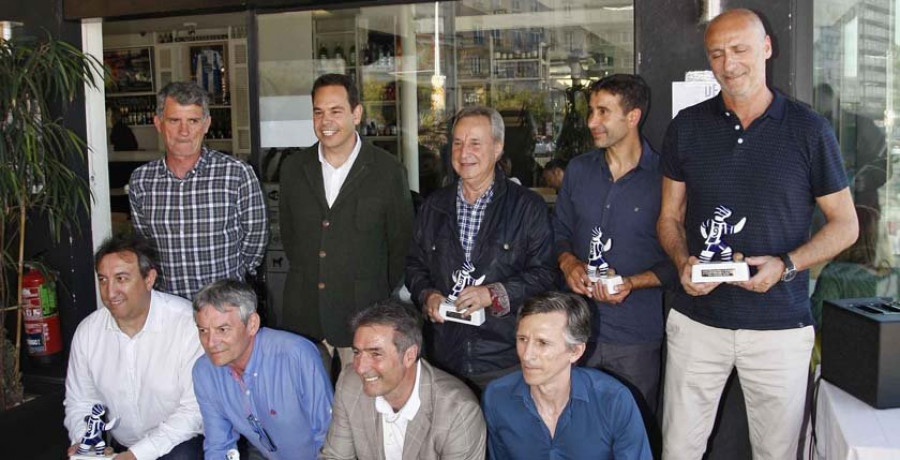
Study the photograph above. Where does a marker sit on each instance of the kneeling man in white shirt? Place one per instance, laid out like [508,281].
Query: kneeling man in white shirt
[135,357]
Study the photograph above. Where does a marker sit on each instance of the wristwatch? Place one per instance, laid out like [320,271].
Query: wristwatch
[789,270]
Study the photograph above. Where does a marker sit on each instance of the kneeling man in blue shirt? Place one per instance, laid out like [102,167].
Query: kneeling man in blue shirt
[551,409]
[267,385]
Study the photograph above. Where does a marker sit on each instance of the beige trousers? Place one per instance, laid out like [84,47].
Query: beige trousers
[772,366]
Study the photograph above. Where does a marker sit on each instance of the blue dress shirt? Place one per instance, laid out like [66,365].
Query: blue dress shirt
[601,421]
[284,388]
[626,210]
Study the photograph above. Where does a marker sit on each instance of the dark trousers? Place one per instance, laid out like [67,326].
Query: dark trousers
[638,367]
[192,449]
[478,382]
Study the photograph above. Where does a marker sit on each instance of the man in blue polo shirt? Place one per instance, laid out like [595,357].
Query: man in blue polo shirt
[551,409]
[616,188]
[771,160]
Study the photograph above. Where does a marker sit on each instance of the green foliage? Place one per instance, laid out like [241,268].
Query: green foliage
[38,153]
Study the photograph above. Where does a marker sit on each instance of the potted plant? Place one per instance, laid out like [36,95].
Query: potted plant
[38,158]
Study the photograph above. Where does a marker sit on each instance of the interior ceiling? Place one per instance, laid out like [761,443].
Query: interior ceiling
[167,24]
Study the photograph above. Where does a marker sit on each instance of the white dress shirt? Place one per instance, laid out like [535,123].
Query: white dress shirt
[334,178]
[143,380]
[393,424]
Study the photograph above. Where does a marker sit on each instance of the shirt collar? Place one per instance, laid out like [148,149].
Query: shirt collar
[350,160]
[151,324]
[648,156]
[774,110]
[485,197]
[578,382]
[646,161]
[409,410]
[253,364]
[163,169]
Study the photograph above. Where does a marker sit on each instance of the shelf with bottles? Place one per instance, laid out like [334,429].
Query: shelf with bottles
[336,54]
[378,53]
[220,123]
[134,111]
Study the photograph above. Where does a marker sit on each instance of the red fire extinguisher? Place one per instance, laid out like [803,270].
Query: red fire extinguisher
[42,329]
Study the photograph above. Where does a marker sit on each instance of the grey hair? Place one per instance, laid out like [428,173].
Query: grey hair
[227,293]
[406,323]
[578,315]
[497,126]
[184,93]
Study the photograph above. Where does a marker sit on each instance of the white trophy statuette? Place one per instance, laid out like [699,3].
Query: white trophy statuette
[597,267]
[461,279]
[723,268]
[92,444]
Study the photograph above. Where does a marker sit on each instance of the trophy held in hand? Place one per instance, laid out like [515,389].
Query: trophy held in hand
[716,260]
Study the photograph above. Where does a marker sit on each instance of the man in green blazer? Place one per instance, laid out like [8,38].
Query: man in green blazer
[346,221]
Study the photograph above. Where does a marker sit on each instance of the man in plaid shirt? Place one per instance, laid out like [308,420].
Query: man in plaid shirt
[203,209]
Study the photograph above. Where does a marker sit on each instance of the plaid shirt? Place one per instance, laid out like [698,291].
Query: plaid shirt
[469,217]
[208,226]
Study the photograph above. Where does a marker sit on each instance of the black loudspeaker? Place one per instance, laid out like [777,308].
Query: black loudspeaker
[861,348]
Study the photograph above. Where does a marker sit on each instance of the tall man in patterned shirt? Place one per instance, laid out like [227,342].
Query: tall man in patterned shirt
[771,160]
[203,209]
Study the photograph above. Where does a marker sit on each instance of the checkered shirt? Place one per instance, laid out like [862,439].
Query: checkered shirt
[208,226]
[469,217]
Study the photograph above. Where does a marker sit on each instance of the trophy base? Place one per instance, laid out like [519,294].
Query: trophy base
[90,456]
[611,283]
[449,313]
[719,272]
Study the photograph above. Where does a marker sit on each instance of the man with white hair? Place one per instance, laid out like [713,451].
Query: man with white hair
[266,385]
[492,230]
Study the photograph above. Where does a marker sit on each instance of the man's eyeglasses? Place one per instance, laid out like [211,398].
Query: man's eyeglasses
[261,432]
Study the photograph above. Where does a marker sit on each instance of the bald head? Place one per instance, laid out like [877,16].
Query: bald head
[737,48]
[741,18]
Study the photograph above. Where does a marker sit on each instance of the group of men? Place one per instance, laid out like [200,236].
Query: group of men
[347,226]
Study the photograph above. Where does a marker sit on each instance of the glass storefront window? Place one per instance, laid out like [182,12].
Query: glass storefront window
[856,64]
[417,64]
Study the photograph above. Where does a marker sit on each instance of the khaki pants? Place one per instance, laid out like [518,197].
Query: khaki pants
[772,366]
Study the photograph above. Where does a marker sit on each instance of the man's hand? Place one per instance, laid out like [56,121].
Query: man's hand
[127,455]
[602,295]
[768,272]
[432,308]
[692,288]
[576,274]
[472,299]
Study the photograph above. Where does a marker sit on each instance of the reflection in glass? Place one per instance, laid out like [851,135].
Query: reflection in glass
[417,64]
[855,68]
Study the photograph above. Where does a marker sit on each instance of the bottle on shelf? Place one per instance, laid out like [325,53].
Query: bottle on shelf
[339,52]
[323,52]
[351,55]
[366,55]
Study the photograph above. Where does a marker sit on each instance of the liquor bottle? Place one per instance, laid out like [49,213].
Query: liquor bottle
[339,52]
[351,56]
[366,55]
[323,52]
